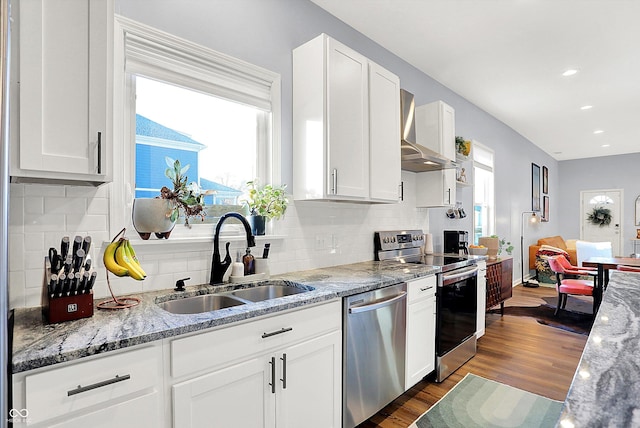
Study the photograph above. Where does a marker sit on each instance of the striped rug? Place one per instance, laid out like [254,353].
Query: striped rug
[478,402]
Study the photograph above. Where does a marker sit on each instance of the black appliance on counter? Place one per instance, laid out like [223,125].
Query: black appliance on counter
[456,294]
[456,242]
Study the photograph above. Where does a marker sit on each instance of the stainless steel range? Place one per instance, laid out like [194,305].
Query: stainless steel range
[456,295]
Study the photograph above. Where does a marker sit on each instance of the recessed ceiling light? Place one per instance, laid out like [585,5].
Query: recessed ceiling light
[570,72]
[586,107]
[606,145]
[598,131]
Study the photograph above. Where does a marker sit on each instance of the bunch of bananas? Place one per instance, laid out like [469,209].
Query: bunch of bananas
[120,259]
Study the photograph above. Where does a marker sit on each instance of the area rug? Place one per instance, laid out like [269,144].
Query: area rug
[576,317]
[476,402]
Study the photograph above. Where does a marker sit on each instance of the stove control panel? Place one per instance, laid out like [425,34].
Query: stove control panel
[398,239]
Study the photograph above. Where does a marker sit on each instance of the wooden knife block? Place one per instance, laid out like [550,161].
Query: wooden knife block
[66,308]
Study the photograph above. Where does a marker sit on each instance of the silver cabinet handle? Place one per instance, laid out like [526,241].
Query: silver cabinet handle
[273,375]
[284,371]
[449,195]
[427,288]
[334,182]
[99,152]
[81,389]
[377,305]
[273,333]
[401,190]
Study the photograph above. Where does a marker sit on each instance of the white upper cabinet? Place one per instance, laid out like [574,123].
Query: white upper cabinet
[436,128]
[65,100]
[336,95]
[384,133]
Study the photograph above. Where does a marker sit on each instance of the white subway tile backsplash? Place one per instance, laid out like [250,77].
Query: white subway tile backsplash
[317,234]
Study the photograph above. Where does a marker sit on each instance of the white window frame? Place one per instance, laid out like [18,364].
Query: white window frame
[144,50]
[490,168]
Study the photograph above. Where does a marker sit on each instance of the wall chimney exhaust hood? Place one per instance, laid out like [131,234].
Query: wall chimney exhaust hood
[414,156]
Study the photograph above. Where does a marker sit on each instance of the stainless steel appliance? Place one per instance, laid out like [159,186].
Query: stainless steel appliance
[456,295]
[414,156]
[456,242]
[374,352]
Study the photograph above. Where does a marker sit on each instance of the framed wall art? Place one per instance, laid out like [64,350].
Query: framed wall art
[545,180]
[545,209]
[535,187]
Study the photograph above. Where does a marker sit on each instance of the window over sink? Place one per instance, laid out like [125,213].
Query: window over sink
[215,113]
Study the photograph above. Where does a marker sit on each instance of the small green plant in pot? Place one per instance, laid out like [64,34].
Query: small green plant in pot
[264,203]
[503,244]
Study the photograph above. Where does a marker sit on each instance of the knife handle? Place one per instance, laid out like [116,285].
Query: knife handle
[64,247]
[79,259]
[86,244]
[92,280]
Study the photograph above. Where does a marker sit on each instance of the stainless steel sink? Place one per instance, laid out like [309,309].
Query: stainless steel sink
[259,292]
[199,304]
[267,292]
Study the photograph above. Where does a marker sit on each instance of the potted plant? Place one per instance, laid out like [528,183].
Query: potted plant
[264,203]
[159,215]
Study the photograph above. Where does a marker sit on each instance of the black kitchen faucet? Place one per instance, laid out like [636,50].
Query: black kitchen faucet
[218,268]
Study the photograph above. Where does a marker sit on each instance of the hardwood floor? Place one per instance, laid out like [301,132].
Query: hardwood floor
[516,351]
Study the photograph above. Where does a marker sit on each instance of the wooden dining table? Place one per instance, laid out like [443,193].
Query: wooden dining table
[604,264]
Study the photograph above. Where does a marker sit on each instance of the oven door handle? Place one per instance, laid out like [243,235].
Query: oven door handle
[377,305]
[465,273]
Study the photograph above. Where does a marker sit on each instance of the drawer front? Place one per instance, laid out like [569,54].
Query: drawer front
[236,342]
[101,381]
[421,288]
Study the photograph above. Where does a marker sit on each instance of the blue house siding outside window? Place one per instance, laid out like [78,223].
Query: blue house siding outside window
[150,167]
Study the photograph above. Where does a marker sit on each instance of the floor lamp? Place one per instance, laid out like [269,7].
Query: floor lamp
[532,219]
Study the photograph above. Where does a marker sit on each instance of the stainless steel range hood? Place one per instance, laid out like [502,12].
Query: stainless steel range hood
[415,157]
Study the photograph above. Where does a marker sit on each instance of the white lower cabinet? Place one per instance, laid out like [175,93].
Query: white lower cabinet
[123,389]
[290,374]
[421,329]
[482,298]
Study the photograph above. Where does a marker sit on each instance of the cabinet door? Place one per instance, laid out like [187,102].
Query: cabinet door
[436,188]
[482,298]
[506,289]
[421,340]
[64,92]
[384,131]
[348,122]
[236,396]
[310,384]
[448,131]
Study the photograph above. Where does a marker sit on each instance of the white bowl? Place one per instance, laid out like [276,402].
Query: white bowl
[478,251]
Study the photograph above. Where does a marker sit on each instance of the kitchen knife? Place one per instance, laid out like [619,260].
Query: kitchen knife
[75,283]
[52,284]
[52,255]
[77,243]
[87,264]
[66,286]
[64,247]
[86,244]
[79,259]
[60,284]
[68,263]
[90,283]
[83,283]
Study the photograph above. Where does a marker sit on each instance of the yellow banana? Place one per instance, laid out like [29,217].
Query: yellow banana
[110,262]
[132,255]
[123,260]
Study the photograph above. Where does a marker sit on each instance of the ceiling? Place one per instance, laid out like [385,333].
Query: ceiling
[507,57]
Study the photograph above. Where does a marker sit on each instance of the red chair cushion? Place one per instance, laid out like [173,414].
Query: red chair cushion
[576,286]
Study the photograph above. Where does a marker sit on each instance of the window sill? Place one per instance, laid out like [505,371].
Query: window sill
[154,245]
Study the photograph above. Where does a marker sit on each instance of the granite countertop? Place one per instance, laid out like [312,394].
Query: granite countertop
[606,386]
[38,344]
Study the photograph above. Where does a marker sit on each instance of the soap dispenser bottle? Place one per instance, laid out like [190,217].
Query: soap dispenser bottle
[249,263]
[237,267]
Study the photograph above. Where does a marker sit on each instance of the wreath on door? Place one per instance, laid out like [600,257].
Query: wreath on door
[600,216]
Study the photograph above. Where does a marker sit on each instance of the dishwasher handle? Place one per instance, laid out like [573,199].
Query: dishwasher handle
[378,305]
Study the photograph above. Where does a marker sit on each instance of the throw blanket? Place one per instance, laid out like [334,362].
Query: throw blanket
[543,272]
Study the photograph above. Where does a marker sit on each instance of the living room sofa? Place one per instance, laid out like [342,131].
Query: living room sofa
[553,241]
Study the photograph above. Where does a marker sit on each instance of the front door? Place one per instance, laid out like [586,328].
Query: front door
[611,232]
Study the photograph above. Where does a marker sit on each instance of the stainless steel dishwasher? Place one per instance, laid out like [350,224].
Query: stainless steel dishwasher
[374,350]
